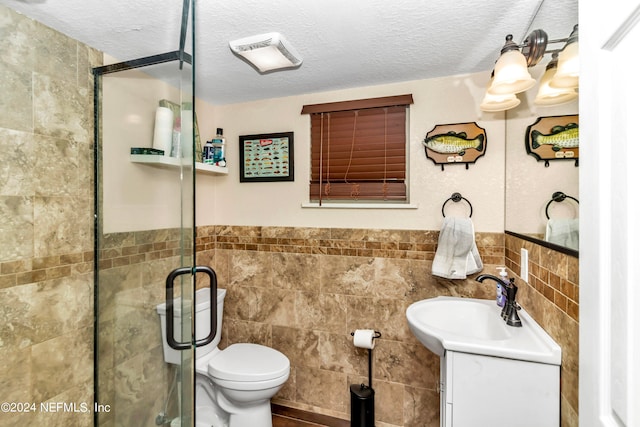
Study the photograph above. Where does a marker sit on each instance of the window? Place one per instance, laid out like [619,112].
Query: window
[358,149]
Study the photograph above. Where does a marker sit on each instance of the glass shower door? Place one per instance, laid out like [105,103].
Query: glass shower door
[144,234]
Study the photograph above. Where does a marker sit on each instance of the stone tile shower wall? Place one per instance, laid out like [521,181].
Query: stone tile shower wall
[303,290]
[133,378]
[46,221]
[551,297]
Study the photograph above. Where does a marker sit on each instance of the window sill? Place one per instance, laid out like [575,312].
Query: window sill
[327,205]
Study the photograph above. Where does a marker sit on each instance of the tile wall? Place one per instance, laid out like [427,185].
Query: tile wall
[46,226]
[551,296]
[303,290]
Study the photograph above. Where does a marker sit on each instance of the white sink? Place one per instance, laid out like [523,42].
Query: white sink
[475,326]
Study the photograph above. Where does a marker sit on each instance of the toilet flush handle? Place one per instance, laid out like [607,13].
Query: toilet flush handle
[169,300]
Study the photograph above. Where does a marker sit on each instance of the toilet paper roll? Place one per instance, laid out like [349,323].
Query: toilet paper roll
[364,338]
[163,130]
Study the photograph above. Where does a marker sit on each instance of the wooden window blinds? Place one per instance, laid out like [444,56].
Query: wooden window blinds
[358,149]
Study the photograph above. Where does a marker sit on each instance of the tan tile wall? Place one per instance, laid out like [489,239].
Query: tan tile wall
[303,290]
[551,297]
[46,225]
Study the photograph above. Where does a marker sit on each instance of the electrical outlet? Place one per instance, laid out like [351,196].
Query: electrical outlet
[524,264]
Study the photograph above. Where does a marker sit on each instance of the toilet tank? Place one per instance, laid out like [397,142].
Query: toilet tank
[203,322]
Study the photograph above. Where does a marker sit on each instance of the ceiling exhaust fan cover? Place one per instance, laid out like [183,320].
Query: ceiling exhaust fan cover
[267,52]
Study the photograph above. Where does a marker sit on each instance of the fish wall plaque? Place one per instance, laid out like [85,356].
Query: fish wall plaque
[455,143]
[554,138]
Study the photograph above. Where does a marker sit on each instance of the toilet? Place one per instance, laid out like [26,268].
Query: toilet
[233,386]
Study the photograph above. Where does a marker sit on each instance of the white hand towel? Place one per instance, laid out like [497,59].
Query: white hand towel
[564,232]
[457,254]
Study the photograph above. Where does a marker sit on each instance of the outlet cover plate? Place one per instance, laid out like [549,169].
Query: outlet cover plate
[524,264]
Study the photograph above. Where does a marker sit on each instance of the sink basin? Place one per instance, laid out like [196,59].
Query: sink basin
[475,326]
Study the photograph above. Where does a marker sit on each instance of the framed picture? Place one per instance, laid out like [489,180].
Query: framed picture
[266,157]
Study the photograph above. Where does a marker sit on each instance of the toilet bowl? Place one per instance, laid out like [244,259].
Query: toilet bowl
[234,386]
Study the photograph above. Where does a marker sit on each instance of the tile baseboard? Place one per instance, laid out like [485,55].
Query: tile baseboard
[309,418]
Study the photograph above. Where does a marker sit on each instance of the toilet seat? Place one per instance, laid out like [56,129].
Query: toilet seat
[247,362]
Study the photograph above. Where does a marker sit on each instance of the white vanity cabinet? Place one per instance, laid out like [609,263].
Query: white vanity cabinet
[487,391]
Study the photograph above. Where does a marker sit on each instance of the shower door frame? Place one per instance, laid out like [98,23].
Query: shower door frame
[186,370]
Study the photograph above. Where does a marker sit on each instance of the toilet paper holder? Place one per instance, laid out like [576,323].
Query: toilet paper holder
[376,334]
[362,397]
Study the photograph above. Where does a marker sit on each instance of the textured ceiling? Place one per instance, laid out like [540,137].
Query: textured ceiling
[343,43]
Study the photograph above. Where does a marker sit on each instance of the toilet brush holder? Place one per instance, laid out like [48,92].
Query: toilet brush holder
[362,406]
[363,396]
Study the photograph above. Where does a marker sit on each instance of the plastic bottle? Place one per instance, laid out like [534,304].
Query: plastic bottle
[218,147]
[501,296]
[207,153]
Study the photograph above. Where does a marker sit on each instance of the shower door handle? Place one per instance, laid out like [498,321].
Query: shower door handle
[213,286]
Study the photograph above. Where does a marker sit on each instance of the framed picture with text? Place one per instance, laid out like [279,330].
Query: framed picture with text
[266,157]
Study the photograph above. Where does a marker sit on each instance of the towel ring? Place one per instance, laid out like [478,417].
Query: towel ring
[558,196]
[456,197]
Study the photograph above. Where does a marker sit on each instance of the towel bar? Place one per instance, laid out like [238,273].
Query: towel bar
[558,196]
[456,197]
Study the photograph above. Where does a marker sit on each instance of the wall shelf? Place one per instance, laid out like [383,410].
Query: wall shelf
[167,162]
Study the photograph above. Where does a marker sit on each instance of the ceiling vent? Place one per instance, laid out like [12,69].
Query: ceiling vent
[267,52]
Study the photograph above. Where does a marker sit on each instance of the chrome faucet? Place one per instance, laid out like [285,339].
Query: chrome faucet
[511,307]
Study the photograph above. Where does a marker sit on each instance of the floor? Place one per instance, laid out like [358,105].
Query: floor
[290,417]
[282,421]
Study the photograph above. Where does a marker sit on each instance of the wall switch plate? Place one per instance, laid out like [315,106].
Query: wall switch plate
[524,264]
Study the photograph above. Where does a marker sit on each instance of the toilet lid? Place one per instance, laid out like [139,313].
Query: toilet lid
[248,362]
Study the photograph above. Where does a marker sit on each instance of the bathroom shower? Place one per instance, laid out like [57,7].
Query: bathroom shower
[144,230]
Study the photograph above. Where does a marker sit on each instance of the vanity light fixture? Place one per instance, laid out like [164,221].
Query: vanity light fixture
[547,93]
[510,74]
[266,52]
[559,83]
[498,102]
[568,64]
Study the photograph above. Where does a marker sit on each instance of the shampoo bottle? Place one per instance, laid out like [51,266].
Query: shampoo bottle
[501,296]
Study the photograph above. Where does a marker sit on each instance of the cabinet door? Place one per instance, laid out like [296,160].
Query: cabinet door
[497,392]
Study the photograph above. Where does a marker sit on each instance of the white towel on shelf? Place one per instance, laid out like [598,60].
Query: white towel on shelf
[564,232]
[457,254]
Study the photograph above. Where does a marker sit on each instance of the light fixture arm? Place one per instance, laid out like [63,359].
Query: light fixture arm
[554,61]
[509,45]
[535,45]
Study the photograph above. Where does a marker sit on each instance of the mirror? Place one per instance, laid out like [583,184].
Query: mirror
[530,185]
